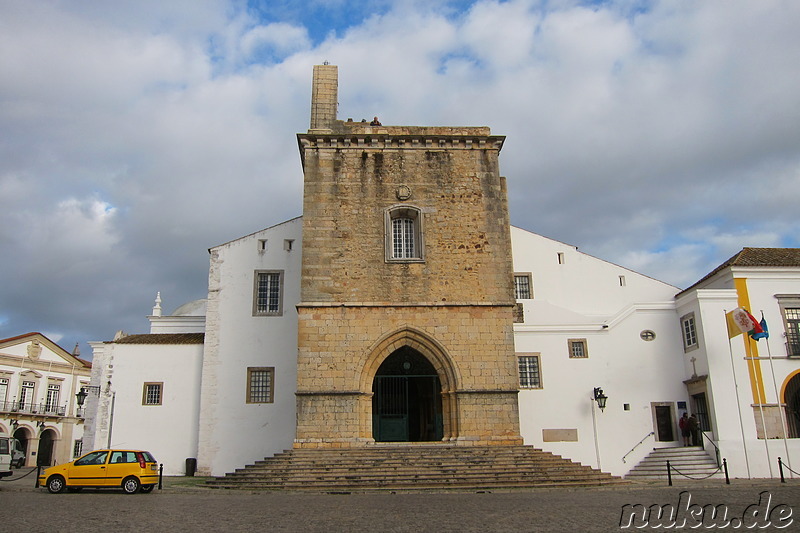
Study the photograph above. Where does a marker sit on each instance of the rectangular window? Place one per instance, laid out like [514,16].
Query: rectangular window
[578,348]
[689,332]
[268,297]
[260,384]
[26,394]
[529,372]
[53,392]
[3,391]
[152,393]
[77,448]
[522,287]
[792,318]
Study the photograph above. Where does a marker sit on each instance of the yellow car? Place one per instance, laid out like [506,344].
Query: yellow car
[131,470]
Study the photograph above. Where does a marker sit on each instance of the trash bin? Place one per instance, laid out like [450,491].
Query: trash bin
[191,466]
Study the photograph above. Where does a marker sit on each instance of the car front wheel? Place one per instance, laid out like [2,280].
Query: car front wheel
[130,485]
[56,484]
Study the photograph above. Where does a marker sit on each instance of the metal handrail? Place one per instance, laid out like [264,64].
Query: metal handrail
[637,445]
[703,433]
[26,408]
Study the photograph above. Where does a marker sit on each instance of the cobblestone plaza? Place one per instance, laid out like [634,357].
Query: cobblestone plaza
[184,506]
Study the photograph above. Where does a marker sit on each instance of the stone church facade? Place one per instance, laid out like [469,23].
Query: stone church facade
[406,262]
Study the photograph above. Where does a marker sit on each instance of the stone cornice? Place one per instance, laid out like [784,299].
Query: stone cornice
[385,141]
[45,366]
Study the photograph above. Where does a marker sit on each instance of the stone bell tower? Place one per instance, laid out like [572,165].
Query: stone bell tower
[405,320]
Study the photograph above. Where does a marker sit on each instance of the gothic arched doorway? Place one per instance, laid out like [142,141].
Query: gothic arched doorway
[407,399]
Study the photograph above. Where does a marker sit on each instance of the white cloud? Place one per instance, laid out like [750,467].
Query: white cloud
[138,134]
[281,37]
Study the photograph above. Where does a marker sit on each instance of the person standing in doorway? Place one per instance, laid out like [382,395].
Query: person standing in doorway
[694,430]
[683,423]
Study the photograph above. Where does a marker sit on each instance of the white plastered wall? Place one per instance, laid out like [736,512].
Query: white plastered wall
[232,432]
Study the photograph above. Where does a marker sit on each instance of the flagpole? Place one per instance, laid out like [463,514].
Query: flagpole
[759,392]
[738,402]
[778,396]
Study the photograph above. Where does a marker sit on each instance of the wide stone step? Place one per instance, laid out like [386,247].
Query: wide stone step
[460,474]
[691,461]
[516,465]
[420,486]
[413,467]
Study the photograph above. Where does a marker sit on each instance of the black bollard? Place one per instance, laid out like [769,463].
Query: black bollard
[160,476]
[725,465]
[780,468]
[669,474]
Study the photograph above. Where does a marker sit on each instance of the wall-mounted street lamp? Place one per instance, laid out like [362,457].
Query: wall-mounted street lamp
[15,424]
[84,392]
[600,398]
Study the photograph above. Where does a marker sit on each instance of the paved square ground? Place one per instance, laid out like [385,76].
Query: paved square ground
[185,506]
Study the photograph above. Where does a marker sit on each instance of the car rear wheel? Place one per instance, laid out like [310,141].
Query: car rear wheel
[56,484]
[147,488]
[130,485]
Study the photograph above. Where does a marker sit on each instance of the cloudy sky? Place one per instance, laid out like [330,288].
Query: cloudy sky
[134,135]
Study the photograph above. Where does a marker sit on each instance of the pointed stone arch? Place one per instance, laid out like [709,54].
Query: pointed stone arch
[431,350]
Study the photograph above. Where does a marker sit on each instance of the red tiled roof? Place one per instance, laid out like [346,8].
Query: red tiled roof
[757,257]
[162,338]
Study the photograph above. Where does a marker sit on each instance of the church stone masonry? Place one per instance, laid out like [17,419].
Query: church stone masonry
[441,311]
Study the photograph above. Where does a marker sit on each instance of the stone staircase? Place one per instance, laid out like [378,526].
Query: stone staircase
[412,468]
[693,461]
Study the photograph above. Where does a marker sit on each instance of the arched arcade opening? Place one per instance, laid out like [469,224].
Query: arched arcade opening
[791,399]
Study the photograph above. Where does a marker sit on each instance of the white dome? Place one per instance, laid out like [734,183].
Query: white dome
[194,308]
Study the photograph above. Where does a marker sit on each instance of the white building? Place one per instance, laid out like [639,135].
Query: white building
[38,384]
[738,384]
[592,324]
[146,388]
